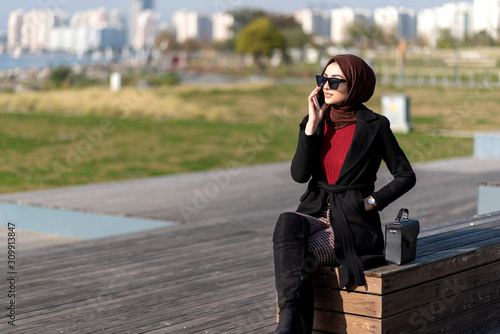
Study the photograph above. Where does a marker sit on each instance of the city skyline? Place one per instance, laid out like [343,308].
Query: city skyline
[166,8]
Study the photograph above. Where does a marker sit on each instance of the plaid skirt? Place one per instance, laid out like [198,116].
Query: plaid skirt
[321,240]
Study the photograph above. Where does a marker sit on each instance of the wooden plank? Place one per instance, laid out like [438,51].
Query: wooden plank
[334,322]
[327,277]
[436,290]
[206,320]
[451,307]
[377,306]
[420,319]
[438,265]
[386,282]
[437,255]
[485,319]
[365,304]
[459,224]
[460,238]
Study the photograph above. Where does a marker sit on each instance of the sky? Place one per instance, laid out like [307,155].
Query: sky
[167,7]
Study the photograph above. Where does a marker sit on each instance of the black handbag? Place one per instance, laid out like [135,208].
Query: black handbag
[401,238]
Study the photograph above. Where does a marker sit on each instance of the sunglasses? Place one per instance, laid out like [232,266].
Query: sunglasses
[333,83]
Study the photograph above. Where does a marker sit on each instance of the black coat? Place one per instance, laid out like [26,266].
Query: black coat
[373,142]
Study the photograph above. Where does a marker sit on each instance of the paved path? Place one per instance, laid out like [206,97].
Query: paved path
[445,190]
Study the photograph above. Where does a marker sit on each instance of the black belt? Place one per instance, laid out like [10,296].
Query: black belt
[345,252]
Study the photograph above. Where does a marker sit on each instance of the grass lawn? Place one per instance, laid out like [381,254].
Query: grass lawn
[58,138]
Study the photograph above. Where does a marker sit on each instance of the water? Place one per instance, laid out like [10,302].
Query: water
[40,61]
[75,224]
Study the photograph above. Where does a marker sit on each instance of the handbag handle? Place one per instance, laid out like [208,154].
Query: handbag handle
[403,214]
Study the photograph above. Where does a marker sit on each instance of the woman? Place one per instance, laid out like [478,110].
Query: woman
[340,149]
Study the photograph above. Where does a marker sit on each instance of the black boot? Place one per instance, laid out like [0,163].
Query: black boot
[293,279]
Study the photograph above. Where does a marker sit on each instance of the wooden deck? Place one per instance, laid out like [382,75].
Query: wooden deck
[211,274]
[452,286]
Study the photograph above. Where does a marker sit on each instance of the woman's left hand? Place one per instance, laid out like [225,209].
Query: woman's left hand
[368,206]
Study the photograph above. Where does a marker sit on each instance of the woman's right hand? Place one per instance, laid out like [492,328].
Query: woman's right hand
[315,115]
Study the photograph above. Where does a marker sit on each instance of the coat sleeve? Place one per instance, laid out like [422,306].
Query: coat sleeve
[399,167]
[306,155]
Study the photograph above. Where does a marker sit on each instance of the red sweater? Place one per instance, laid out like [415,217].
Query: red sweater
[336,143]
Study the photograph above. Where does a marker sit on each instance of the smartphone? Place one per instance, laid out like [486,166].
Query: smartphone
[315,99]
[316,103]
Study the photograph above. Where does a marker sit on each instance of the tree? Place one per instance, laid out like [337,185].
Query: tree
[445,39]
[165,42]
[365,35]
[60,77]
[481,38]
[259,39]
[245,16]
[283,22]
[296,37]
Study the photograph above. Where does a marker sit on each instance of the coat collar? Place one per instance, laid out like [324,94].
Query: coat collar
[361,142]
[364,115]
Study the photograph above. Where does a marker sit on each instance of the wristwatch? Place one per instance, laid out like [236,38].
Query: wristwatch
[372,202]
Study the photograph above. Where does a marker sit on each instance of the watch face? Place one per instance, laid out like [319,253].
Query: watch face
[371,200]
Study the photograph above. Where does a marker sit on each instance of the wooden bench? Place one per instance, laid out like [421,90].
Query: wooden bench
[453,286]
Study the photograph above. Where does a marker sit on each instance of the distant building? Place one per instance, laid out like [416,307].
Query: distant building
[221,26]
[343,18]
[91,30]
[3,42]
[136,7]
[315,22]
[204,27]
[407,24]
[456,18]
[428,26]
[97,18]
[116,20]
[185,25]
[486,16]
[110,38]
[62,39]
[36,27]
[192,25]
[29,31]
[40,30]
[146,30]
[14,33]
[82,39]
[197,26]
[400,22]
[387,18]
